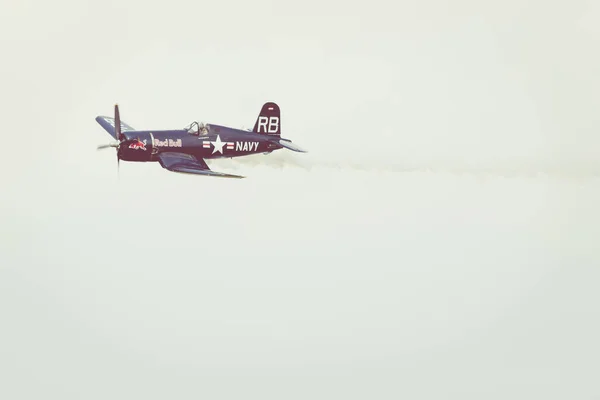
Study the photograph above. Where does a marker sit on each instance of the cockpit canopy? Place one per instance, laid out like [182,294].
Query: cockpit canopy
[196,128]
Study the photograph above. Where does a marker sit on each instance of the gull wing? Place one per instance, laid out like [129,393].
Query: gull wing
[188,164]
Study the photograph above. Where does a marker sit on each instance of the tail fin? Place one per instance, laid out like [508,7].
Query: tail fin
[269,120]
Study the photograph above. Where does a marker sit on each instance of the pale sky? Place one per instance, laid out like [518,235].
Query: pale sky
[437,241]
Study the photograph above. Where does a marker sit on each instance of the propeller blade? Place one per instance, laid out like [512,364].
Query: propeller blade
[120,136]
[118,133]
[106,146]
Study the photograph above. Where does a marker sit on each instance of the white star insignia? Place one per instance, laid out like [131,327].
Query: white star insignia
[218,145]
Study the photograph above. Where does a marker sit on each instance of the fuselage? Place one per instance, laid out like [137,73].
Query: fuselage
[218,142]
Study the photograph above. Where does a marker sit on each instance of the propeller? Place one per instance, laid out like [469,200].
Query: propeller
[106,146]
[120,137]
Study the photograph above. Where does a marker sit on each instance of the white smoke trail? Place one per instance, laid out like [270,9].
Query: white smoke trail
[307,162]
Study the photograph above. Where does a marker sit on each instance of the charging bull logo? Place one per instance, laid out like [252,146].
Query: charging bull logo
[138,144]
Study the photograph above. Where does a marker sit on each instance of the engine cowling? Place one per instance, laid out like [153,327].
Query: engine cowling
[137,147]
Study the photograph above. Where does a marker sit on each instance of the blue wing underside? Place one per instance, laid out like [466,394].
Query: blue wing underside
[188,164]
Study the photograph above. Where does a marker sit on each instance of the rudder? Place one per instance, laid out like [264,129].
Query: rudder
[269,120]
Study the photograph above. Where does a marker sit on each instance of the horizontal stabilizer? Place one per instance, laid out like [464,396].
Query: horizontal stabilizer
[289,145]
[188,164]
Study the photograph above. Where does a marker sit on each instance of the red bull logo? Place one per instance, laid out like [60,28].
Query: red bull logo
[138,145]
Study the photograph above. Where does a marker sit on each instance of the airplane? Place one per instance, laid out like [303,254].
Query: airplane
[184,150]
